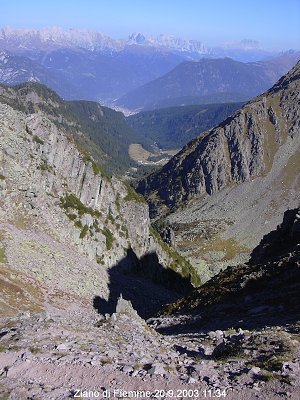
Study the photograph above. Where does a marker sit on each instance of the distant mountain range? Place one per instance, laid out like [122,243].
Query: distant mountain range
[55,38]
[83,74]
[209,81]
[89,65]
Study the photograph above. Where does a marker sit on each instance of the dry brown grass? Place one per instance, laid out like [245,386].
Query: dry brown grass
[138,153]
[202,248]
[17,293]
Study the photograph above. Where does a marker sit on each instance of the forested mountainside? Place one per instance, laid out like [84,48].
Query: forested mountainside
[174,127]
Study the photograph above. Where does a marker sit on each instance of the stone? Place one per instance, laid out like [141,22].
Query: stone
[127,369]
[219,334]
[125,307]
[62,346]
[255,370]
[157,370]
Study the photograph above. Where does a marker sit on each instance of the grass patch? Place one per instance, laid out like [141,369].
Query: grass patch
[44,166]
[36,139]
[111,219]
[2,255]
[132,195]
[117,203]
[78,224]
[34,350]
[5,396]
[2,348]
[70,201]
[84,231]
[109,238]
[71,216]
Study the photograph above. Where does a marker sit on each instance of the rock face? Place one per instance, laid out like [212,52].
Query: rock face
[247,168]
[65,226]
[285,239]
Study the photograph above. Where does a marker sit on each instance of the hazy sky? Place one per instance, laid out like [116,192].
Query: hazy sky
[274,23]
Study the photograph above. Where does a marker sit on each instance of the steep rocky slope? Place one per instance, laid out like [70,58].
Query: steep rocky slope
[230,186]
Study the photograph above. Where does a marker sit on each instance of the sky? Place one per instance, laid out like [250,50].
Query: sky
[274,23]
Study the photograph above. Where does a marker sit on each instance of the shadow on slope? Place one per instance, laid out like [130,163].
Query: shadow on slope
[145,282]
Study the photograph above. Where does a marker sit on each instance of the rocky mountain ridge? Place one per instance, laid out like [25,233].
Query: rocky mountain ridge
[231,185]
[56,37]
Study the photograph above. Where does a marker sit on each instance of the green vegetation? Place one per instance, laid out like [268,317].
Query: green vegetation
[132,195]
[28,130]
[124,232]
[71,216]
[117,202]
[179,264]
[84,231]
[36,139]
[99,260]
[71,201]
[111,219]
[78,224]
[35,350]
[2,255]
[104,129]
[5,395]
[2,177]
[44,166]
[108,237]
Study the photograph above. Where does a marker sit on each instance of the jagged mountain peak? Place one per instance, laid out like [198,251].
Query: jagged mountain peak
[168,42]
[56,37]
